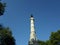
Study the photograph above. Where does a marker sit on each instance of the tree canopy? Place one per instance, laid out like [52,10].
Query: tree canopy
[53,40]
[6,37]
[41,42]
[2,8]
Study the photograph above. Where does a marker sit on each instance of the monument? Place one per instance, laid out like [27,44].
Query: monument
[33,39]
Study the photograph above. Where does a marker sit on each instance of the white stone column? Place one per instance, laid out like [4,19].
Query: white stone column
[32,32]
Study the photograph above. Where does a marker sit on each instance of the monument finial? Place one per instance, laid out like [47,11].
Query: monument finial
[31,15]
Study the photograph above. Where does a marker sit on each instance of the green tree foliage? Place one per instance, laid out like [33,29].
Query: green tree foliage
[6,37]
[41,42]
[55,38]
[2,8]
[48,42]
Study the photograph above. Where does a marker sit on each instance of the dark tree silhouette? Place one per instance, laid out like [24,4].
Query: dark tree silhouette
[55,38]
[6,37]
[2,8]
[9,40]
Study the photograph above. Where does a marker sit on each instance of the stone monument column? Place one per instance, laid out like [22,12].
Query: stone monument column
[32,40]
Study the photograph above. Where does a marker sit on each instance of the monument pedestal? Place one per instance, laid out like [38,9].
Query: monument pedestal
[33,43]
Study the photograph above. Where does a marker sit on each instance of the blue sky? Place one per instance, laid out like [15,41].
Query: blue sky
[17,17]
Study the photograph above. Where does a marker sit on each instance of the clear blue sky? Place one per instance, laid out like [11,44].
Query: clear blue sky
[17,17]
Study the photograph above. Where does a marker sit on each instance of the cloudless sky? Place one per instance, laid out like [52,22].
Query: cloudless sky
[17,17]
